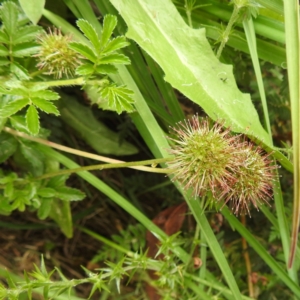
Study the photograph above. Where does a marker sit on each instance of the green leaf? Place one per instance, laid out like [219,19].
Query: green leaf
[119,98]
[18,123]
[95,133]
[4,61]
[106,69]
[13,107]
[8,146]
[4,37]
[33,9]
[69,194]
[33,157]
[9,16]
[85,69]
[90,32]
[115,59]
[84,50]
[27,34]
[46,192]
[3,51]
[45,94]
[19,71]
[61,214]
[194,70]
[32,120]
[109,25]
[45,106]
[115,44]
[45,208]
[25,49]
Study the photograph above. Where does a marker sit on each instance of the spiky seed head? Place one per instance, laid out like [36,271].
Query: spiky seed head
[254,175]
[54,56]
[236,171]
[202,156]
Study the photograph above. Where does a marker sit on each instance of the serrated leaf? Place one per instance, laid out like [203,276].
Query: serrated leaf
[115,44]
[3,51]
[32,120]
[84,50]
[4,37]
[119,98]
[8,146]
[109,24]
[9,16]
[115,59]
[26,34]
[85,69]
[69,194]
[33,9]
[45,94]
[25,49]
[106,69]
[19,71]
[90,32]
[45,106]
[46,192]
[12,107]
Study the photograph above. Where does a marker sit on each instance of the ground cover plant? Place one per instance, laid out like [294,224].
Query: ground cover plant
[191,107]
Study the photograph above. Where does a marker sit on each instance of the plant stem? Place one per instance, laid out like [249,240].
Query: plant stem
[74,151]
[247,261]
[110,166]
[225,34]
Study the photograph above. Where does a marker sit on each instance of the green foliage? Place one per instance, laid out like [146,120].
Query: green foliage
[100,58]
[166,46]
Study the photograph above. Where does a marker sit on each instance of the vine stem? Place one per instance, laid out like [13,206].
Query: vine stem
[112,163]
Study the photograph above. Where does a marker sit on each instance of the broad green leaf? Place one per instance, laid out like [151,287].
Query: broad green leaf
[25,49]
[85,69]
[45,94]
[69,194]
[115,44]
[34,160]
[106,69]
[61,214]
[84,50]
[191,67]
[33,9]
[90,32]
[32,120]
[45,106]
[45,208]
[9,16]
[8,145]
[109,24]
[3,51]
[115,59]
[95,133]
[12,107]
[3,37]
[119,98]
[19,71]
[46,192]
[27,34]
